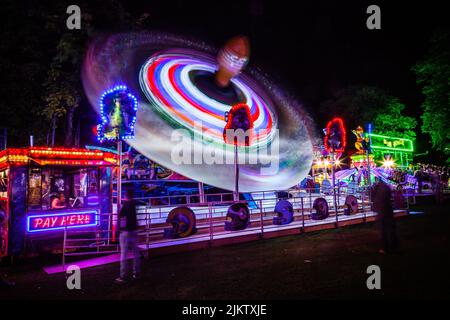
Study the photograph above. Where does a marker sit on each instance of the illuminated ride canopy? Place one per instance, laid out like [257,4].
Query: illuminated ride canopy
[175,91]
[386,154]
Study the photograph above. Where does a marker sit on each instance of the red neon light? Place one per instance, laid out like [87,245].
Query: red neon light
[229,124]
[340,123]
[73,162]
[57,156]
[52,222]
[65,153]
[59,221]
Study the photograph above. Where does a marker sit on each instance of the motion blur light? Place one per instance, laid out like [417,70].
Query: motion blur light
[388,163]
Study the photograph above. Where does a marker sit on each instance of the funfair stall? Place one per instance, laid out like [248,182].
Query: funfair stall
[391,151]
[47,190]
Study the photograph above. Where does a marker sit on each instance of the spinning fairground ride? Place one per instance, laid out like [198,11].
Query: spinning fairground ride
[188,95]
[379,157]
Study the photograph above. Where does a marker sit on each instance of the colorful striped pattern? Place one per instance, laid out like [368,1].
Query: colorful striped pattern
[165,80]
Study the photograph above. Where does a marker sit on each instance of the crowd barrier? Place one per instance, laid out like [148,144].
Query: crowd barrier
[186,219]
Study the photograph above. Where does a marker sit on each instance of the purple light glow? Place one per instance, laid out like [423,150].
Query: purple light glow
[60,220]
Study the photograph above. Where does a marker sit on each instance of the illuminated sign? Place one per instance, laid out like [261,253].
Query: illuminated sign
[56,156]
[118,109]
[390,143]
[360,160]
[51,221]
[336,136]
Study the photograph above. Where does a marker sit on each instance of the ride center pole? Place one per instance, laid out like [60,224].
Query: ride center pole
[119,178]
[334,185]
[236,173]
[369,180]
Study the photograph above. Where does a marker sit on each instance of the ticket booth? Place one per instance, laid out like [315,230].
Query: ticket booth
[44,191]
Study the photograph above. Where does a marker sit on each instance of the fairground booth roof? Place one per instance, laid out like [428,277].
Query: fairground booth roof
[56,156]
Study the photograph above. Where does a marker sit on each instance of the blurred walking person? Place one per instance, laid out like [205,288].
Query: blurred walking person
[419,178]
[437,186]
[382,205]
[128,238]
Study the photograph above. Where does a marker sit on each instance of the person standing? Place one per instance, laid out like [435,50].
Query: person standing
[436,183]
[128,238]
[382,205]
[419,177]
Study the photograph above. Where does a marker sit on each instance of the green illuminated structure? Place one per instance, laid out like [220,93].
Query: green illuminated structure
[400,149]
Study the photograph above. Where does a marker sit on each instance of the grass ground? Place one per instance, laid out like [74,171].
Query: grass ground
[326,264]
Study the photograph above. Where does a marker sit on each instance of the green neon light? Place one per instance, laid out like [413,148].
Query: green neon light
[360,157]
[389,137]
[386,140]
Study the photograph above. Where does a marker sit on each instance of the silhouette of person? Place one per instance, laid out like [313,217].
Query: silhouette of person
[382,205]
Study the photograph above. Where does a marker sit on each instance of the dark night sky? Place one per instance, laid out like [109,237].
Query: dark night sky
[315,46]
[312,48]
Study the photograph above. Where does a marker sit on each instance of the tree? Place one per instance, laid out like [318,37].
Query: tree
[357,105]
[23,67]
[61,99]
[433,74]
[361,105]
[391,122]
[40,85]
[63,92]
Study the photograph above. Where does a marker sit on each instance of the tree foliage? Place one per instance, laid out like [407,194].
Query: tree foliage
[23,66]
[392,122]
[62,92]
[361,105]
[433,75]
[41,61]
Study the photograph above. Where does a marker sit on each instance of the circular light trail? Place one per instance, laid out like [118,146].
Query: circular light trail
[166,81]
[165,73]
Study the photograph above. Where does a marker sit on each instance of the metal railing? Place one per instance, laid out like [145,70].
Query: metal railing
[210,220]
